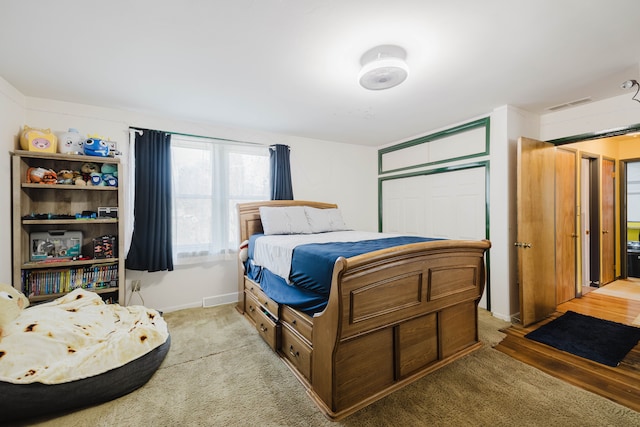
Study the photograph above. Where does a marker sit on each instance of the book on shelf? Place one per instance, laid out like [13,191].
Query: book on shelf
[56,281]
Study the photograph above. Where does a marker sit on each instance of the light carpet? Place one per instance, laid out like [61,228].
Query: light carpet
[628,289]
[219,372]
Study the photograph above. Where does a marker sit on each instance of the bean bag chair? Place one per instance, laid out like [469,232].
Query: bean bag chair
[73,352]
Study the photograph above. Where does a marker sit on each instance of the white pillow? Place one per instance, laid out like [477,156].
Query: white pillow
[322,220]
[284,220]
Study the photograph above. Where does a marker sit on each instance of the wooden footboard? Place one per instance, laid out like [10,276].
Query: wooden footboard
[393,316]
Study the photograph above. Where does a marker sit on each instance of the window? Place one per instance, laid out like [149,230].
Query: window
[209,178]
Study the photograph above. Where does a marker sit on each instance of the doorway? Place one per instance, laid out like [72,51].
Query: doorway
[630,218]
[600,161]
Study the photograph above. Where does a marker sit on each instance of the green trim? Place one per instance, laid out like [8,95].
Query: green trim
[596,135]
[484,122]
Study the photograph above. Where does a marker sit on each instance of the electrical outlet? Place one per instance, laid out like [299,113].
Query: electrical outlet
[135,286]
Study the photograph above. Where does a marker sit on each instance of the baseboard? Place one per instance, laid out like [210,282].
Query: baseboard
[219,300]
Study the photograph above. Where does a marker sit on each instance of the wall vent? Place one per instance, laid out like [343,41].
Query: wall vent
[570,104]
[219,300]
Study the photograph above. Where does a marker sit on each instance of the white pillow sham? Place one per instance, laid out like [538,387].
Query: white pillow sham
[323,220]
[300,220]
[284,220]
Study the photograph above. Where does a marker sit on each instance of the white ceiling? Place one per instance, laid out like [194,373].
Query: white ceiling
[291,66]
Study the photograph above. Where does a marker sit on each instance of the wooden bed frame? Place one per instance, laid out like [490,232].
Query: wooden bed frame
[393,316]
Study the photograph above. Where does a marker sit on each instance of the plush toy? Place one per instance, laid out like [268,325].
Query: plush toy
[65,176]
[41,176]
[244,251]
[32,139]
[70,142]
[109,169]
[12,302]
[96,147]
[87,169]
[95,178]
[109,180]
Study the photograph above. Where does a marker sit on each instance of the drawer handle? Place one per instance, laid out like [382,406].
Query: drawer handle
[294,322]
[252,308]
[294,354]
[262,327]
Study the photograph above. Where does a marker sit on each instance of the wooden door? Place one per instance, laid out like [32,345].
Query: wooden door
[566,235]
[535,229]
[607,272]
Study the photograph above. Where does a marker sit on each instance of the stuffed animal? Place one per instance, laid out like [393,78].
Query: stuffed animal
[109,169]
[12,302]
[43,140]
[95,178]
[65,176]
[70,142]
[95,147]
[41,176]
[87,169]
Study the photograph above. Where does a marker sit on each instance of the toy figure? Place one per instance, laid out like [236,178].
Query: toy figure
[32,139]
[41,176]
[70,142]
[87,169]
[96,147]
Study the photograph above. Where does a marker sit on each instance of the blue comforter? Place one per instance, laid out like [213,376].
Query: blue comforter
[312,268]
[312,264]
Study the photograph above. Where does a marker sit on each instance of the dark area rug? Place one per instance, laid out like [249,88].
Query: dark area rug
[595,339]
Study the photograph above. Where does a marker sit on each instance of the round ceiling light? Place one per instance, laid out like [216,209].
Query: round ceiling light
[383,67]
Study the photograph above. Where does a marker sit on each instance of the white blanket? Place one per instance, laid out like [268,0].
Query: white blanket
[275,252]
[76,336]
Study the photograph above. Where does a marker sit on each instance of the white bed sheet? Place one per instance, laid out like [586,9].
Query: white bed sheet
[276,251]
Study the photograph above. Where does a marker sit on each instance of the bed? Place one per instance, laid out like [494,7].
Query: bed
[391,316]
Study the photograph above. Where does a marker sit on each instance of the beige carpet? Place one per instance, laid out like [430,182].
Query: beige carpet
[624,288]
[220,373]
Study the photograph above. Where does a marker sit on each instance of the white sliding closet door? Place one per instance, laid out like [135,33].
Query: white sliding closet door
[449,205]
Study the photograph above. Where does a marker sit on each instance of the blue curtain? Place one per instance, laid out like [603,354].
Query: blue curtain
[281,188]
[151,241]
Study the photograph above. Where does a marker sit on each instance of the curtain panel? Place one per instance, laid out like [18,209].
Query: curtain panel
[150,248]
[280,167]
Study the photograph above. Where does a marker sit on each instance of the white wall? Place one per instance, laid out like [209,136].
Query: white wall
[321,170]
[12,116]
[607,114]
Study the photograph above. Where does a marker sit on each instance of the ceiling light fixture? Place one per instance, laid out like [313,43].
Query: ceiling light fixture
[383,67]
[630,84]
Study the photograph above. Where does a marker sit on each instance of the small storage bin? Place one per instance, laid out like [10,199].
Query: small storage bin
[55,244]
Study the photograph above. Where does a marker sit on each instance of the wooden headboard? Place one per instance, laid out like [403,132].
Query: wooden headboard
[249,214]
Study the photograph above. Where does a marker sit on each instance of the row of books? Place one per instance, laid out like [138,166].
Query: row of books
[45,282]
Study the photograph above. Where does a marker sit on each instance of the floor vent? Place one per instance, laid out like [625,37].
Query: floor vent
[219,300]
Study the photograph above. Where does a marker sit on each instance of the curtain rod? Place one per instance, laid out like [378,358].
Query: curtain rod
[140,130]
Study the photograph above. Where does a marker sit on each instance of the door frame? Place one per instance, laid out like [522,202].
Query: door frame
[622,174]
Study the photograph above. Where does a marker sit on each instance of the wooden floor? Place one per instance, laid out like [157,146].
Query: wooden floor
[620,384]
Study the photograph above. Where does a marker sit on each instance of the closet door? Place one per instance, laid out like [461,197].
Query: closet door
[608,239]
[566,235]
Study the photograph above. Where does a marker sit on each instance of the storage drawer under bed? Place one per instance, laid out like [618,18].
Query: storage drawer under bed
[296,351]
[298,322]
[270,305]
[268,329]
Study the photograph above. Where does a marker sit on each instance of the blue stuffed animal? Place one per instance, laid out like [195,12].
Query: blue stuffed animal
[95,147]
